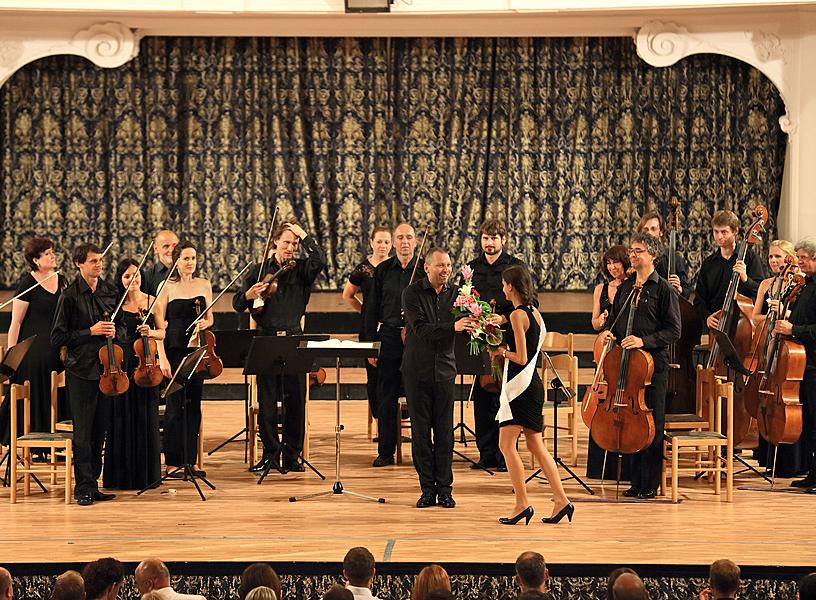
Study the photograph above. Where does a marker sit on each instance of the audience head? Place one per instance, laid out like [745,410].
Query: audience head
[439,594]
[724,578]
[262,593]
[257,575]
[628,586]
[358,567]
[531,572]
[532,595]
[807,587]
[338,592]
[613,577]
[432,577]
[6,588]
[103,578]
[69,586]
[151,574]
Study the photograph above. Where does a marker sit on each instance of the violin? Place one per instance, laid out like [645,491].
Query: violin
[623,424]
[147,373]
[211,365]
[114,380]
[271,279]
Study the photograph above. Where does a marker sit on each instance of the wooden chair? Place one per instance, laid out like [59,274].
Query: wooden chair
[701,450]
[560,347]
[403,423]
[57,426]
[29,440]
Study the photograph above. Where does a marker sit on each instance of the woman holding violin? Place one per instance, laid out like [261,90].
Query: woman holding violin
[522,399]
[655,327]
[132,447]
[176,308]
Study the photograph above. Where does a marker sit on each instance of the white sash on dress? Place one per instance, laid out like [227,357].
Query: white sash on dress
[510,390]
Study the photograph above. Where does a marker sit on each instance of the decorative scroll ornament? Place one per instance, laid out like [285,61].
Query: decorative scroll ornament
[663,44]
[108,45]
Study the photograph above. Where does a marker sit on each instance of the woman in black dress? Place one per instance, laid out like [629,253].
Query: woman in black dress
[522,399]
[360,280]
[31,314]
[132,447]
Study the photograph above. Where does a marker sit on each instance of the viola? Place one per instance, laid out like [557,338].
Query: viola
[147,373]
[272,281]
[211,365]
[623,424]
[114,380]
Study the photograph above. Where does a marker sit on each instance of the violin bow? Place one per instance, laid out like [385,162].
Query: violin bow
[130,283]
[105,251]
[221,293]
[268,242]
[161,289]
[24,292]
[421,248]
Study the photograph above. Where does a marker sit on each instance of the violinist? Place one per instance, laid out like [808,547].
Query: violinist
[281,315]
[656,326]
[716,270]
[132,448]
[383,323]
[174,311]
[153,277]
[614,266]
[802,325]
[487,271]
[79,325]
[652,223]
[777,252]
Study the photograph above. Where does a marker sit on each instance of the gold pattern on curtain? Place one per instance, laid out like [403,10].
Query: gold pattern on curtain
[567,140]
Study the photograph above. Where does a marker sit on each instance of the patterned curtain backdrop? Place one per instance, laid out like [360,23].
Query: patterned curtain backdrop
[567,140]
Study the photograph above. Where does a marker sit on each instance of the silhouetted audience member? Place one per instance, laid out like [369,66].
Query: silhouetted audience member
[257,575]
[613,577]
[338,592]
[262,593]
[440,594]
[103,578]
[69,586]
[6,587]
[359,570]
[532,595]
[432,577]
[723,581]
[807,587]
[152,575]
[628,586]
[531,572]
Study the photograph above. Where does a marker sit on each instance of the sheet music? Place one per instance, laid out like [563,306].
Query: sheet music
[336,343]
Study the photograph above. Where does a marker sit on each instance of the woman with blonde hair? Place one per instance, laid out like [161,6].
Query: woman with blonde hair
[432,577]
[778,251]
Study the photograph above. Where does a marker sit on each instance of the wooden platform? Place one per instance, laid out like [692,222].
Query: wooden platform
[242,521]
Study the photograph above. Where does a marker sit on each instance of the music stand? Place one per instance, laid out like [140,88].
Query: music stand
[336,349]
[8,368]
[468,364]
[279,355]
[179,381]
[233,348]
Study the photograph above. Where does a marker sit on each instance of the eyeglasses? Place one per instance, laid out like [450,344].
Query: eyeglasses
[637,251]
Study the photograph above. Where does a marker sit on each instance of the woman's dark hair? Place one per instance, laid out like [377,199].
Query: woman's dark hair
[176,253]
[34,248]
[519,277]
[613,577]
[257,575]
[616,254]
[123,266]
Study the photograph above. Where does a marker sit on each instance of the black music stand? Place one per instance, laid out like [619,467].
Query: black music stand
[180,379]
[337,351]
[8,368]
[279,355]
[468,364]
[233,348]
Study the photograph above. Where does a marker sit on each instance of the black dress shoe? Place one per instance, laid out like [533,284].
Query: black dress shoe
[446,501]
[102,496]
[382,461]
[647,494]
[811,490]
[632,492]
[260,466]
[85,500]
[808,482]
[426,499]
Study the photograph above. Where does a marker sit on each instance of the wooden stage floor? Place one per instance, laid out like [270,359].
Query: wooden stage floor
[242,521]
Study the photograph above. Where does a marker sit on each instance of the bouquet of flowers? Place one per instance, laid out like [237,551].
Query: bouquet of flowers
[468,303]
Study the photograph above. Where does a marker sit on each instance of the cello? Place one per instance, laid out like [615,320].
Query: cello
[681,390]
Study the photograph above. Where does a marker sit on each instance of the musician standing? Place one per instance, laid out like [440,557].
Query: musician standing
[78,325]
[281,315]
[716,270]
[656,326]
[383,323]
[652,223]
[487,280]
[802,325]
[153,277]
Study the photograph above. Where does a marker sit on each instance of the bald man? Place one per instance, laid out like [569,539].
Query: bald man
[6,588]
[152,575]
[153,277]
[629,587]
[69,586]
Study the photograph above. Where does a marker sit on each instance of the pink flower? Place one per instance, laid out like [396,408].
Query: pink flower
[475,309]
[467,273]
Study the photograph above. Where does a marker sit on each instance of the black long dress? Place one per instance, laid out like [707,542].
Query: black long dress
[526,407]
[132,448]
[363,277]
[41,358]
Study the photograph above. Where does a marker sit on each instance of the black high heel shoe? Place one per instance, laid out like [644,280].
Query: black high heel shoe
[567,511]
[526,514]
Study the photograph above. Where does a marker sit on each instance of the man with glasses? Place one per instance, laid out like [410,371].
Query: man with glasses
[656,326]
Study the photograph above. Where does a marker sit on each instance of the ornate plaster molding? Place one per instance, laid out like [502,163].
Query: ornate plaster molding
[108,45]
[663,44]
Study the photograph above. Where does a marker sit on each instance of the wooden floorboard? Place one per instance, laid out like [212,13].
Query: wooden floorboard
[242,521]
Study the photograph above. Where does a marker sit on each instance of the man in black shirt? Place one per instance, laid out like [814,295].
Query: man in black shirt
[429,372]
[383,323]
[716,270]
[487,270]
[281,315]
[78,326]
[154,276]
[802,325]
[656,326]
[652,223]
